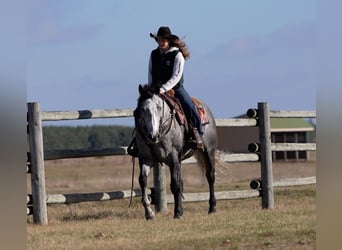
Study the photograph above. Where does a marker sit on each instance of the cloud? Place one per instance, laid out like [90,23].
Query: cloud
[288,39]
[53,33]
[45,23]
[287,54]
[278,67]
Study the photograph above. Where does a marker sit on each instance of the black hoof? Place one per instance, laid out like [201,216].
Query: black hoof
[212,210]
[178,217]
[149,217]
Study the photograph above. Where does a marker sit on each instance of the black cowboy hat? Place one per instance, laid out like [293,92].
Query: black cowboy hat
[164,32]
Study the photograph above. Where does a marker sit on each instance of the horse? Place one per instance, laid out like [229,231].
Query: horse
[161,139]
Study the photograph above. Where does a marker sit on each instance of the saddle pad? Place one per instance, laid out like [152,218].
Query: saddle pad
[200,110]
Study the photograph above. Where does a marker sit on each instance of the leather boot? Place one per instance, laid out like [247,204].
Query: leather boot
[199,140]
[132,149]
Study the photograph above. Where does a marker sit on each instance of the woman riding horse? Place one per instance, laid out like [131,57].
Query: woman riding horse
[165,69]
[159,137]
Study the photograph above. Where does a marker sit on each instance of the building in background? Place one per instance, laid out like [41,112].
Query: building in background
[283,130]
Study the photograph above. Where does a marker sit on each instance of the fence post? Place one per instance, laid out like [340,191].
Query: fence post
[159,183]
[37,164]
[266,155]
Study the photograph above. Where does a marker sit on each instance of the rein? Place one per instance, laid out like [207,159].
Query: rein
[132,184]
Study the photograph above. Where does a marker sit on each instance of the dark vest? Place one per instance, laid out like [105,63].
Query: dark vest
[162,67]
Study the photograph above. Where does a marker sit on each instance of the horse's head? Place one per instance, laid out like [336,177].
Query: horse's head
[147,92]
[149,113]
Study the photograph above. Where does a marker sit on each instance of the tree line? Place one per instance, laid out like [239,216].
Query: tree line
[86,137]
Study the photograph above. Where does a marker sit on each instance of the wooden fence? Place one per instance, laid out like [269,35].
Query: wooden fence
[261,151]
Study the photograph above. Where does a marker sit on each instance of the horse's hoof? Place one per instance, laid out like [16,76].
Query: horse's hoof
[212,210]
[178,213]
[178,217]
[150,216]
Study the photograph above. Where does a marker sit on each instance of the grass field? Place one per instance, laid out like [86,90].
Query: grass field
[238,224]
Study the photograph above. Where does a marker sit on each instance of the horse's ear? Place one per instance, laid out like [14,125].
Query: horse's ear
[140,88]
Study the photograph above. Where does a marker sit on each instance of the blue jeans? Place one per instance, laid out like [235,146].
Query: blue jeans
[189,108]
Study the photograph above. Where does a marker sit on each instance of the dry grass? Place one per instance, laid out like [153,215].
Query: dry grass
[114,173]
[238,224]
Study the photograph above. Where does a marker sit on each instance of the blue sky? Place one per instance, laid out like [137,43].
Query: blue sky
[86,54]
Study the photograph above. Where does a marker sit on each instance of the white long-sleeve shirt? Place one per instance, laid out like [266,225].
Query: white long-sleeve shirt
[177,72]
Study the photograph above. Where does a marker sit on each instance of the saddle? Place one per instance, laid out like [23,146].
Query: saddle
[174,104]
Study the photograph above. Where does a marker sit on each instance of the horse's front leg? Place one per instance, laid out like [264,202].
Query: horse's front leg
[146,201]
[177,189]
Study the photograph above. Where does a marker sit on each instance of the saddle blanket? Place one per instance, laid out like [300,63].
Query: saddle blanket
[200,110]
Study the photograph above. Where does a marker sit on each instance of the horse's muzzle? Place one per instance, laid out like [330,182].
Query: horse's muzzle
[153,138]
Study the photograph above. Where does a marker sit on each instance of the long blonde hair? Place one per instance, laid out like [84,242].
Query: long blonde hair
[182,47]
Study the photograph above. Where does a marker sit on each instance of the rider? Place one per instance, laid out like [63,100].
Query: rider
[165,69]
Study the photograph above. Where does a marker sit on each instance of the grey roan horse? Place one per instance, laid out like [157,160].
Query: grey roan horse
[161,139]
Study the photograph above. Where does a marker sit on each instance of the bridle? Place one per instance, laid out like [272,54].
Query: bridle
[164,125]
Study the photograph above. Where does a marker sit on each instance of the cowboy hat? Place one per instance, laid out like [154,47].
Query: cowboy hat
[164,32]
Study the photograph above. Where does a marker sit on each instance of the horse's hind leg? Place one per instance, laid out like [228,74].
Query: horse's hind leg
[208,160]
[210,174]
[146,201]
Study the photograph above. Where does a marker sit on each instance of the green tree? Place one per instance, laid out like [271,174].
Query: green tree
[86,137]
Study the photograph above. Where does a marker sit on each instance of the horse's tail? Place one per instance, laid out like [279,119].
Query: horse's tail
[220,163]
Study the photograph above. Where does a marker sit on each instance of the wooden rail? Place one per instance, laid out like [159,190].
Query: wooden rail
[99,196]
[245,122]
[85,114]
[188,197]
[288,182]
[293,146]
[292,114]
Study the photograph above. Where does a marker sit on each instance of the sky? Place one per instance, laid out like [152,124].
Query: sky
[86,54]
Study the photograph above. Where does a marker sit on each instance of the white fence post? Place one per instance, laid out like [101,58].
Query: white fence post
[267,198]
[37,164]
